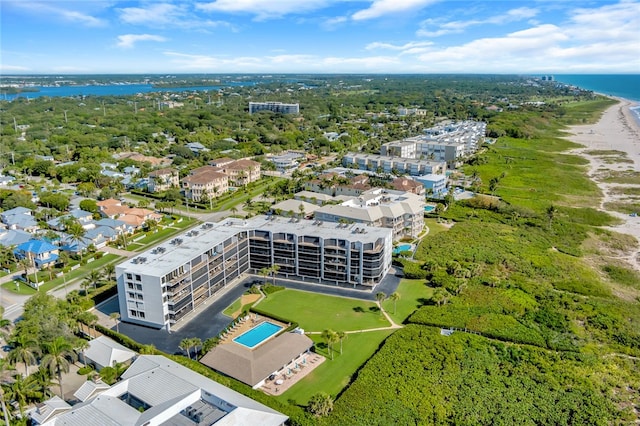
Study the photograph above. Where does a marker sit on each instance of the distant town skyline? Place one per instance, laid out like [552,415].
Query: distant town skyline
[319,36]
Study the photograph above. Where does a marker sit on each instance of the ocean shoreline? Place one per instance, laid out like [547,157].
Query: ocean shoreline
[617,129]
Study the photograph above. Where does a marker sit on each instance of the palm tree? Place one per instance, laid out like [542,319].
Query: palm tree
[185,345]
[76,232]
[380,296]
[395,296]
[341,335]
[81,345]
[330,337]
[440,296]
[4,367]
[59,352]
[20,391]
[109,270]
[116,317]
[234,210]
[93,278]
[24,350]
[274,271]
[264,272]
[195,342]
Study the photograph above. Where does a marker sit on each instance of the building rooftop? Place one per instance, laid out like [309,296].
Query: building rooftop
[169,255]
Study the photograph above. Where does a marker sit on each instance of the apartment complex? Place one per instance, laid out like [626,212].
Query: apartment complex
[277,107]
[402,212]
[205,182]
[440,147]
[160,286]
[162,180]
[387,164]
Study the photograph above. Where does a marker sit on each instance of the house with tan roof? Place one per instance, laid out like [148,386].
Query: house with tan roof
[408,185]
[134,217]
[205,182]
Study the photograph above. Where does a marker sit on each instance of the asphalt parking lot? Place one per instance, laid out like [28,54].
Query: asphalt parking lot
[210,321]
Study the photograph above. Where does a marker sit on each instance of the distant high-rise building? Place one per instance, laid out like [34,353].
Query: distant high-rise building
[278,107]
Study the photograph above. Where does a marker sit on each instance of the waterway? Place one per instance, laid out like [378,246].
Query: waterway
[113,90]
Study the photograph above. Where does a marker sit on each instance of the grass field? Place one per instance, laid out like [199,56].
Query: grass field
[413,294]
[333,375]
[317,312]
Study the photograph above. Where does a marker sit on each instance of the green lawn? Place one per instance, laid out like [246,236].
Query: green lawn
[434,226]
[317,312]
[56,282]
[413,294]
[333,375]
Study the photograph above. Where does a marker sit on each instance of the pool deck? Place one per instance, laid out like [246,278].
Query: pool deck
[245,324]
[284,380]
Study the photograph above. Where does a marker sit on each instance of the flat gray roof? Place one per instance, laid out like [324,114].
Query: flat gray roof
[171,254]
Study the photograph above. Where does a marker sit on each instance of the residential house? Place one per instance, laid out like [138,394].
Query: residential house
[133,217]
[242,172]
[162,180]
[39,253]
[13,237]
[158,391]
[405,184]
[20,218]
[196,147]
[105,352]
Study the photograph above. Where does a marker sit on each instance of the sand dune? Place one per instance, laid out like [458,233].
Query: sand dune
[617,130]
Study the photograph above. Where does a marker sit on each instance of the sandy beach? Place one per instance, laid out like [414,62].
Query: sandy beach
[617,130]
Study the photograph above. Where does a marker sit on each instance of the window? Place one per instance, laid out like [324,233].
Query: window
[140,297]
[129,276]
[141,314]
[131,295]
[133,313]
[138,277]
[139,287]
[130,286]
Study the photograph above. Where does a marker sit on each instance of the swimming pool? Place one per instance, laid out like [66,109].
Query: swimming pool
[401,248]
[258,334]
[429,208]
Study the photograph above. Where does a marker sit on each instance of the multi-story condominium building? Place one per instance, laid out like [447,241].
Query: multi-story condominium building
[159,287]
[163,179]
[411,111]
[386,164]
[242,172]
[435,184]
[402,212]
[205,182]
[403,148]
[278,107]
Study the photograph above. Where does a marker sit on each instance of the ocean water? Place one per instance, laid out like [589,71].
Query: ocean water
[621,85]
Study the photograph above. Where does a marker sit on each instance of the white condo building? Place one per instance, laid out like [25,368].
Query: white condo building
[160,286]
[277,107]
[402,212]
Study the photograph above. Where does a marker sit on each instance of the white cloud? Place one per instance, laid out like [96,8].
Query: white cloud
[412,48]
[165,15]
[156,14]
[456,27]
[128,41]
[263,9]
[381,8]
[12,68]
[74,16]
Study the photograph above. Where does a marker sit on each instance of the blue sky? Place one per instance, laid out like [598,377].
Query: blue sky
[319,36]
